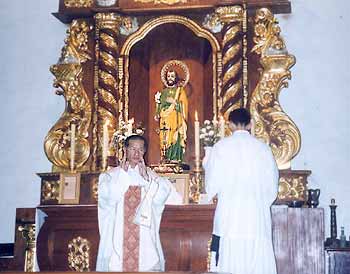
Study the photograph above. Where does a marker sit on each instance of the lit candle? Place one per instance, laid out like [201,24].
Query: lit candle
[72,146]
[196,138]
[105,142]
[221,127]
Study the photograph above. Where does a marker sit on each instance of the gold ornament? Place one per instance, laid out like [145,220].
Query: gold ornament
[28,233]
[50,190]
[79,254]
[78,3]
[68,73]
[292,188]
[272,125]
[108,100]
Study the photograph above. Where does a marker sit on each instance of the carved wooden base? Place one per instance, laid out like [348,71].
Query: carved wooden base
[298,235]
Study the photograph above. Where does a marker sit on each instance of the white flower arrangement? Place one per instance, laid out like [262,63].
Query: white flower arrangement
[209,133]
[125,130]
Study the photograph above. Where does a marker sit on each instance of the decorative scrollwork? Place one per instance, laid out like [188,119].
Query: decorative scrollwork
[68,73]
[50,190]
[79,254]
[28,233]
[291,188]
[78,3]
[196,185]
[272,124]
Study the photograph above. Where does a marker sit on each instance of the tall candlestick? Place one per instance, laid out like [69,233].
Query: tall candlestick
[105,142]
[196,138]
[221,127]
[72,146]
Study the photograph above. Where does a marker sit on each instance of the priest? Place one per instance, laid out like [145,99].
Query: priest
[131,200]
[242,172]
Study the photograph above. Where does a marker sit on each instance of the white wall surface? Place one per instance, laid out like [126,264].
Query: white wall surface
[317,100]
[31,41]
[318,97]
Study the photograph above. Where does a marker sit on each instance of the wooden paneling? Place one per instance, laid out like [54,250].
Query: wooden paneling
[298,240]
[338,261]
[298,235]
[184,232]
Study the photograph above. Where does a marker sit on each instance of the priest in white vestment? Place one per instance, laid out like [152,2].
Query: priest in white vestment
[242,172]
[114,227]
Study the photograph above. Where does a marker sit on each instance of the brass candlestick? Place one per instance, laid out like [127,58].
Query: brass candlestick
[196,183]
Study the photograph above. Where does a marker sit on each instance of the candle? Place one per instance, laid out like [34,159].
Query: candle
[129,127]
[196,138]
[105,142]
[221,127]
[72,146]
[252,127]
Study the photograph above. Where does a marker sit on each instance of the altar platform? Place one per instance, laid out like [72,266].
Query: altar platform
[185,233]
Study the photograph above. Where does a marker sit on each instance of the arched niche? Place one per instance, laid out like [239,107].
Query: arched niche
[146,52]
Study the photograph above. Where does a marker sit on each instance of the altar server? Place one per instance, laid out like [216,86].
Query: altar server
[242,172]
[131,200]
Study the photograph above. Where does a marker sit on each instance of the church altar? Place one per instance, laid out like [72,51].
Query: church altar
[111,68]
[69,238]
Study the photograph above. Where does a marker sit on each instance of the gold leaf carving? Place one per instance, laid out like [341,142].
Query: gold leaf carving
[291,188]
[50,190]
[78,3]
[79,254]
[272,124]
[28,233]
[68,72]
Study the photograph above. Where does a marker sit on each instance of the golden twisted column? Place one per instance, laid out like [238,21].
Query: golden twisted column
[231,92]
[106,82]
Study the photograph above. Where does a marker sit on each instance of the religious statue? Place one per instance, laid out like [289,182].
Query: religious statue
[172,111]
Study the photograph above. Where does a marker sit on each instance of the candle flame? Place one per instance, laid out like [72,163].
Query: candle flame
[196,115]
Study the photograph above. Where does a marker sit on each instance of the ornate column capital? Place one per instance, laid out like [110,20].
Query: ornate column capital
[108,21]
[230,14]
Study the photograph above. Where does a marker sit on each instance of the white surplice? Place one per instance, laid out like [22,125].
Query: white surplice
[243,173]
[155,193]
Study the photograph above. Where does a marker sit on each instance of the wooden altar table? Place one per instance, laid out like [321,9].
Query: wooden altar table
[185,231]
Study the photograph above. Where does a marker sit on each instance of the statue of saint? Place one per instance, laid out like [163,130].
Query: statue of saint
[172,112]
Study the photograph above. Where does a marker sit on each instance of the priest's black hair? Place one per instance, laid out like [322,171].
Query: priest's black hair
[136,137]
[240,116]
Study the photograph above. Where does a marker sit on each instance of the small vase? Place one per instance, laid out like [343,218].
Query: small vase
[106,3]
[207,151]
[313,197]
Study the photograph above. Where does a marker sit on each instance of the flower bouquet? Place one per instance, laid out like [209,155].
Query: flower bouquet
[209,133]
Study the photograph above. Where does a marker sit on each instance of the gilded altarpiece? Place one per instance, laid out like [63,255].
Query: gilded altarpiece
[110,70]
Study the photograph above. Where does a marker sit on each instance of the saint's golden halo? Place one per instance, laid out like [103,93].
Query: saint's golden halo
[181,69]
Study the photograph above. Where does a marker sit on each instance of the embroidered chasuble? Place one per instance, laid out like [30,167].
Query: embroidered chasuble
[129,214]
[131,237]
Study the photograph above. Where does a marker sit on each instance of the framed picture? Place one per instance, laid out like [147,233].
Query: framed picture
[181,183]
[69,188]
